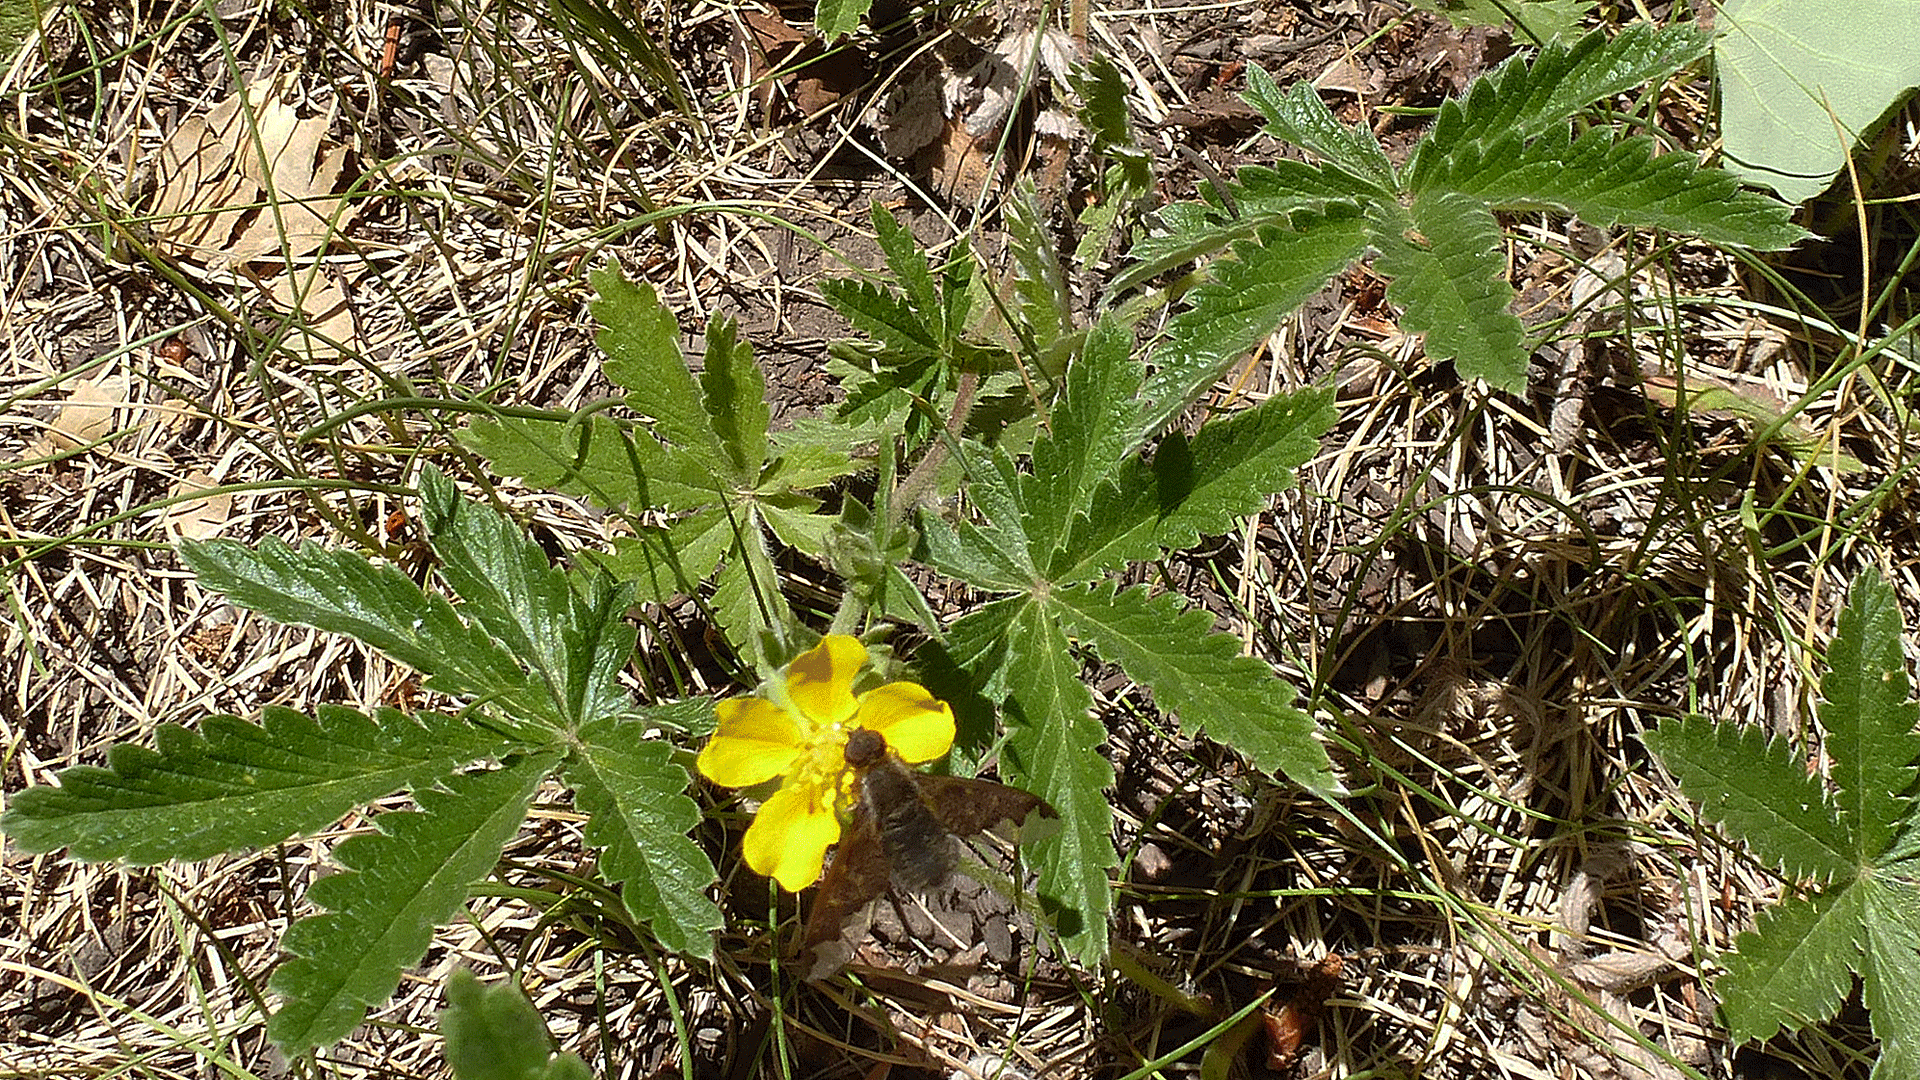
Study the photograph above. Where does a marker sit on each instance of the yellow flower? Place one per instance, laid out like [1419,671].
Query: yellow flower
[801,734]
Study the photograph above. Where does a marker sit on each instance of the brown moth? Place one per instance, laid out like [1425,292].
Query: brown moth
[902,834]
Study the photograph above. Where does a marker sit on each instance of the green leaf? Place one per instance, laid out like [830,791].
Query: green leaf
[342,593]
[834,18]
[1795,967]
[236,785]
[403,880]
[1608,182]
[599,645]
[640,818]
[503,577]
[494,1033]
[1760,791]
[1266,197]
[977,644]
[1448,263]
[642,341]
[814,453]
[794,522]
[1300,117]
[907,261]
[881,315]
[1200,489]
[746,597]
[1103,90]
[594,457]
[1096,425]
[1245,301]
[1869,718]
[974,556]
[1053,750]
[1783,64]
[1045,302]
[1200,676]
[1891,974]
[735,396]
[1524,100]
[1285,186]
[994,555]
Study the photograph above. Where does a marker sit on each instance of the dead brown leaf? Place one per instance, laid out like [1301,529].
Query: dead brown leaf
[321,319]
[197,519]
[249,180]
[88,415]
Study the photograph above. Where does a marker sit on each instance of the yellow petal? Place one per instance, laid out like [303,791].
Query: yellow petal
[820,680]
[917,725]
[789,838]
[757,740]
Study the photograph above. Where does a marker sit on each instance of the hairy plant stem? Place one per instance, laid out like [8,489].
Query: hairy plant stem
[908,493]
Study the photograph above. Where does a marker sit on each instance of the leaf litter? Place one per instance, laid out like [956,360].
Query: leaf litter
[1497,651]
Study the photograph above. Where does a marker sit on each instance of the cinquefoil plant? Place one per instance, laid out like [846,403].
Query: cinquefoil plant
[537,651]
[1509,144]
[1049,531]
[1853,833]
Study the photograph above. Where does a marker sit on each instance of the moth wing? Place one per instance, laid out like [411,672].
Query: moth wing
[858,876]
[965,807]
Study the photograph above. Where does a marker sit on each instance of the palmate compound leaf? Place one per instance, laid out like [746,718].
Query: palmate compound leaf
[1793,969]
[235,785]
[1761,792]
[402,880]
[640,818]
[1200,676]
[1248,296]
